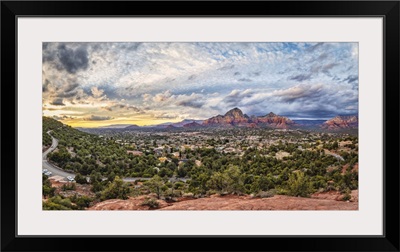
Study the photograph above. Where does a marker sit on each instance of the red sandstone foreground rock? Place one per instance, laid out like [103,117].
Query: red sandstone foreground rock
[321,201]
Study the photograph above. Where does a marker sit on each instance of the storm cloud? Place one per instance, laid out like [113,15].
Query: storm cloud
[57,102]
[73,60]
[191,103]
[140,82]
[236,97]
[71,87]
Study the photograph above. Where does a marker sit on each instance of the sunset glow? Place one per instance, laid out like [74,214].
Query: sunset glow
[98,84]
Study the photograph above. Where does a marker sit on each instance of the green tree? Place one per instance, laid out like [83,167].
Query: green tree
[164,172]
[115,190]
[182,171]
[218,182]
[80,179]
[203,179]
[235,179]
[57,203]
[156,184]
[47,189]
[95,177]
[111,176]
[83,202]
[299,185]
[262,183]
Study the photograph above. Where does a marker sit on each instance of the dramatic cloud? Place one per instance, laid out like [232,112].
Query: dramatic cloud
[194,101]
[144,83]
[73,60]
[57,102]
[97,92]
[351,78]
[167,116]
[70,87]
[236,97]
[97,118]
[45,85]
[162,97]
[301,77]
[328,67]
[299,92]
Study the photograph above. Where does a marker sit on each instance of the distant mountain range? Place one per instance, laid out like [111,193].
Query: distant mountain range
[236,118]
[341,122]
[178,124]
[118,126]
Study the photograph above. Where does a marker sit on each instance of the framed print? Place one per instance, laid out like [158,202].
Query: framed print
[262,126]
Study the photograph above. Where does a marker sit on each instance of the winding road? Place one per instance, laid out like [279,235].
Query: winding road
[337,156]
[50,167]
[60,172]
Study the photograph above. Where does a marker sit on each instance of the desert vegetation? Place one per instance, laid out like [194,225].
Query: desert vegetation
[170,164]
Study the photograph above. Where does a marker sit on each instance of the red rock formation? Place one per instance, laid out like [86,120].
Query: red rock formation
[341,122]
[275,121]
[232,117]
[233,202]
[235,117]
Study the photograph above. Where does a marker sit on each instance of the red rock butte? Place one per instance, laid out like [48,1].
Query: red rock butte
[235,117]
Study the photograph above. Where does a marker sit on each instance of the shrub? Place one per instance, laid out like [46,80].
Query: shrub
[211,192]
[172,193]
[115,190]
[80,179]
[83,202]
[47,189]
[151,202]
[68,187]
[57,203]
[299,185]
[156,185]
[229,181]
[346,195]
[179,185]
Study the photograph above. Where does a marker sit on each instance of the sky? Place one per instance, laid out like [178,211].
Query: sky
[97,84]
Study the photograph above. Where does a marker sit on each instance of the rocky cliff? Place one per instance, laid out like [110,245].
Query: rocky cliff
[235,117]
[341,122]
